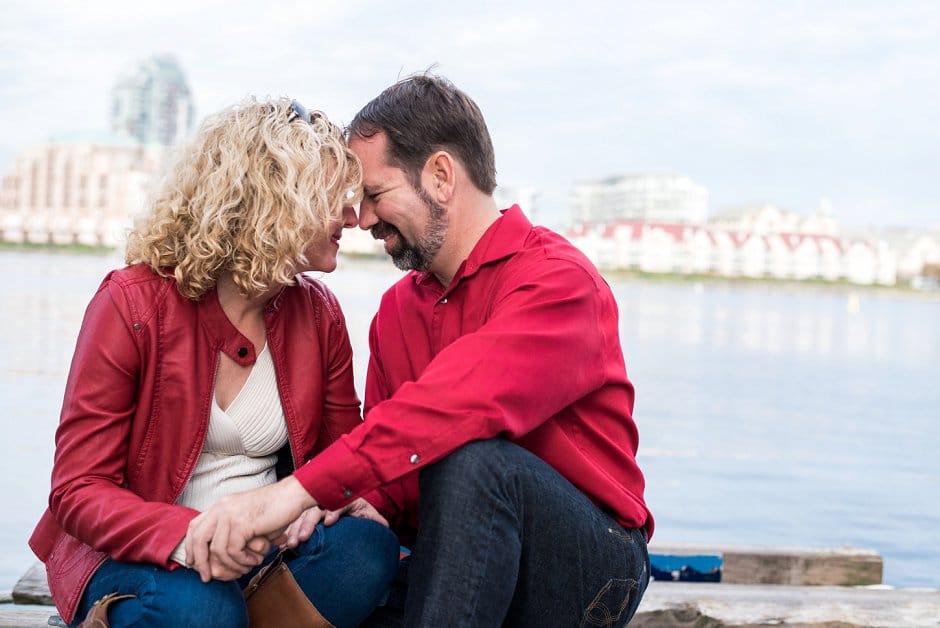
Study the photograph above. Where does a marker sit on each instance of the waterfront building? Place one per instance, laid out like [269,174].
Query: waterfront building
[768,218]
[689,249]
[152,102]
[665,198]
[525,197]
[79,189]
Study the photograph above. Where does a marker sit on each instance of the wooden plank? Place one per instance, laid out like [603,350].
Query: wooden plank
[796,566]
[26,616]
[701,605]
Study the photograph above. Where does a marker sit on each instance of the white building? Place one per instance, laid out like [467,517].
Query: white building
[151,101]
[768,218]
[689,249]
[666,198]
[525,197]
[78,190]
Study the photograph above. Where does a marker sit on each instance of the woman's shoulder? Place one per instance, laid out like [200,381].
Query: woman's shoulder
[138,284]
[320,296]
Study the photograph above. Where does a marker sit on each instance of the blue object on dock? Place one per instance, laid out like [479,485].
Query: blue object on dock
[696,568]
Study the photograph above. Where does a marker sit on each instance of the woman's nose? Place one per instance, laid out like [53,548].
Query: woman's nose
[350,219]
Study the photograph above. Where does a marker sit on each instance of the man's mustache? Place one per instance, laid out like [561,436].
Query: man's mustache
[382,230]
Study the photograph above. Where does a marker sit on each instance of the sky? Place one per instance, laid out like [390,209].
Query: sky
[785,103]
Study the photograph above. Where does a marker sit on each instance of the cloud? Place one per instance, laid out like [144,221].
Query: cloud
[783,100]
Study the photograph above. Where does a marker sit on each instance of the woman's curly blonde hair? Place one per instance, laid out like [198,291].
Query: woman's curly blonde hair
[248,195]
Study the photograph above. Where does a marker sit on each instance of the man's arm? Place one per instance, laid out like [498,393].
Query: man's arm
[542,349]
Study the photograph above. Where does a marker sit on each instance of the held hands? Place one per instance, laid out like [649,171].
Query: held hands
[303,526]
[234,535]
[356,508]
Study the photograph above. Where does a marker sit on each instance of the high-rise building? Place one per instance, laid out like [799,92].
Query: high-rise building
[151,102]
[647,197]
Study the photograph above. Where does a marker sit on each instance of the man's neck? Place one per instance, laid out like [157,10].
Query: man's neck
[466,228]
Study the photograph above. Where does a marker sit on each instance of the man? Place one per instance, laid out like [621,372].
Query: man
[498,433]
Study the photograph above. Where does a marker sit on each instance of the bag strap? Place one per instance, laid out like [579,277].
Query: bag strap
[97,616]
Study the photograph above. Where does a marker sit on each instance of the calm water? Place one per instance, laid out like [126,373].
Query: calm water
[767,415]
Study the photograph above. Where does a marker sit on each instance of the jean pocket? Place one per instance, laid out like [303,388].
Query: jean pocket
[610,604]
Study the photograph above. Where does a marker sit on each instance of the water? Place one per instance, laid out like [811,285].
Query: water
[768,415]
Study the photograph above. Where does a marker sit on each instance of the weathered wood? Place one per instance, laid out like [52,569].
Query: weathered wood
[704,605]
[32,588]
[26,616]
[796,566]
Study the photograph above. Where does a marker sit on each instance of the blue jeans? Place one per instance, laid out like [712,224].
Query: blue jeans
[344,569]
[504,539]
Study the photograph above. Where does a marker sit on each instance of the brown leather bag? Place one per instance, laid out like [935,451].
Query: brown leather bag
[97,616]
[275,600]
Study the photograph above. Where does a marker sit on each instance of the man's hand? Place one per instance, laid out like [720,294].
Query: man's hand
[356,508]
[233,535]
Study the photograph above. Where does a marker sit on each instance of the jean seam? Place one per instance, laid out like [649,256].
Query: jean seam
[470,609]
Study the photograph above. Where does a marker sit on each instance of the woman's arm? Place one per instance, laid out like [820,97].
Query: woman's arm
[89,497]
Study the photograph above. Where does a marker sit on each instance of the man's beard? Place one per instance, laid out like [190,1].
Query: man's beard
[416,255]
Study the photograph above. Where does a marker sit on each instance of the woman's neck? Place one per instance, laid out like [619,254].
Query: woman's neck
[247,315]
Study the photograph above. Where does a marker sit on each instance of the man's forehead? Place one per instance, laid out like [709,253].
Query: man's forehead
[373,156]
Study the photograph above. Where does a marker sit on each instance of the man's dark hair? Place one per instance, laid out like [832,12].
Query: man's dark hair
[425,113]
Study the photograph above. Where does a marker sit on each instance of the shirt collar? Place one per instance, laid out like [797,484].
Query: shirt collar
[502,239]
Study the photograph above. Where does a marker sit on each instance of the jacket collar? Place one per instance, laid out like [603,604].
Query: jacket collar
[224,334]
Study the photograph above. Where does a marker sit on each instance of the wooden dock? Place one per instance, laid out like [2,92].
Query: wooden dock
[703,605]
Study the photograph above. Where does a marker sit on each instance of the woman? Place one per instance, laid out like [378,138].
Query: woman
[210,366]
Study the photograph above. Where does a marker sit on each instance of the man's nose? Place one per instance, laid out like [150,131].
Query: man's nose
[367,217]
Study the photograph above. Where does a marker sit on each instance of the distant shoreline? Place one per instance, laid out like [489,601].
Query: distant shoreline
[29,247]
[620,276]
[810,285]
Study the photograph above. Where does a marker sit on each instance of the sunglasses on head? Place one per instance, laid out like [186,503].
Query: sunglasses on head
[299,111]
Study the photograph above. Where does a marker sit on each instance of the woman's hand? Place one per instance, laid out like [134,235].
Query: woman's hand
[356,508]
[302,528]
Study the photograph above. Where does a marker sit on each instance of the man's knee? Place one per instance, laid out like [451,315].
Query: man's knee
[484,465]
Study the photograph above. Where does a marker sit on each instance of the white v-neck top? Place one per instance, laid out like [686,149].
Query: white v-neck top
[241,445]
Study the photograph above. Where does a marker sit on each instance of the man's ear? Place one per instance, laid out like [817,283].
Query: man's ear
[440,175]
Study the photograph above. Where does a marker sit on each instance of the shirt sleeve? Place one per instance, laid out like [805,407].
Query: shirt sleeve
[88,497]
[517,370]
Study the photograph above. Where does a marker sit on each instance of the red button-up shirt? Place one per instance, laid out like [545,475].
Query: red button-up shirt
[523,344]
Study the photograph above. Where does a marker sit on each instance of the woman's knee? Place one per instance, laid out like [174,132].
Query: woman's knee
[371,546]
[346,569]
[169,598]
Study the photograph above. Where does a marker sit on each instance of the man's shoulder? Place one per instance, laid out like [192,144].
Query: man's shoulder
[549,249]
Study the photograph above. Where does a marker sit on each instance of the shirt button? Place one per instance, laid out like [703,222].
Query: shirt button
[242,352]
[136,326]
[347,492]
[443,301]
[415,458]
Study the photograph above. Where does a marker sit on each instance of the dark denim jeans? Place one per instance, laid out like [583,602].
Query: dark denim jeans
[504,539]
[344,569]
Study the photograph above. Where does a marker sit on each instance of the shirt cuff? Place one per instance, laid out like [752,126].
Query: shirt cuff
[336,476]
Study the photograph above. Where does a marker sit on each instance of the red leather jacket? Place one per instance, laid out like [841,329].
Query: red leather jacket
[136,411]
